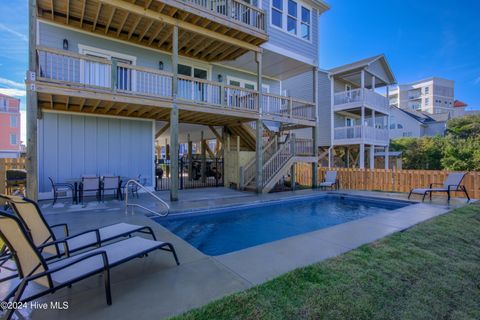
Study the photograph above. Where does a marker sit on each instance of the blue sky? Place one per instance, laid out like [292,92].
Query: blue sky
[420,38]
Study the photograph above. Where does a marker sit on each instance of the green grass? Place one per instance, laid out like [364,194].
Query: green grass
[431,271]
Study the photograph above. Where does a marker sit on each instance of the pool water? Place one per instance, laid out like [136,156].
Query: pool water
[219,232]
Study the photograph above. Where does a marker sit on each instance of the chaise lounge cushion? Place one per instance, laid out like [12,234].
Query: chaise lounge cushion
[424,190]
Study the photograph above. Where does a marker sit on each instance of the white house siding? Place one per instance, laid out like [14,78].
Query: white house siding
[411,127]
[300,87]
[70,146]
[52,37]
[379,70]
[286,41]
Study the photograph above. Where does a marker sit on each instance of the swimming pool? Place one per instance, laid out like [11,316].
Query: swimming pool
[222,231]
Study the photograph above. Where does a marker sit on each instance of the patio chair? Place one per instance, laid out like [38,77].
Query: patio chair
[453,183]
[61,187]
[110,183]
[41,232]
[39,277]
[90,183]
[330,181]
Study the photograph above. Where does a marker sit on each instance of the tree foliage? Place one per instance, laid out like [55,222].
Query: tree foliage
[459,150]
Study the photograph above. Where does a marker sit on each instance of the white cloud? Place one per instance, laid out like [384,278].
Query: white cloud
[12,84]
[13,32]
[13,92]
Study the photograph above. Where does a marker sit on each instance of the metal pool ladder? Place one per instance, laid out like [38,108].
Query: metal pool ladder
[165,205]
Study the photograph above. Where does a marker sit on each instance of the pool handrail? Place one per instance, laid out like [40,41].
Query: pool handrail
[135,182]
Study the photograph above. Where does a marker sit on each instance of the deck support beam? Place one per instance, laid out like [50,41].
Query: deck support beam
[32,106]
[372,157]
[259,128]
[315,129]
[361,156]
[174,119]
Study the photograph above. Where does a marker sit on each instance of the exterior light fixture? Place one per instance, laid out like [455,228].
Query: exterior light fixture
[65,44]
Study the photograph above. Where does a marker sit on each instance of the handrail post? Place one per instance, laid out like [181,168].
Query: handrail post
[241,178]
[222,95]
[290,106]
[113,80]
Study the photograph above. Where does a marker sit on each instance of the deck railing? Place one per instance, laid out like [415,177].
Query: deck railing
[278,160]
[361,132]
[366,96]
[249,171]
[237,10]
[65,67]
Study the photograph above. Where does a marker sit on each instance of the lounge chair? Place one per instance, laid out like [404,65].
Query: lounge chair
[41,232]
[110,183]
[453,183]
[39,277]
[330,180]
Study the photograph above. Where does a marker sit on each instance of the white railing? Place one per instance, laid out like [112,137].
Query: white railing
[361,132]
[278,160]
[235,9]
[369,97]
[347,97]
[69,68]
[303,147]
[137,185]
[143,81]
[241,98]
[83,71]
[376,100]
[249,171]
[199,90]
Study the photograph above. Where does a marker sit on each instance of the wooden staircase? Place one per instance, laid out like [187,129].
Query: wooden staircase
[278,159]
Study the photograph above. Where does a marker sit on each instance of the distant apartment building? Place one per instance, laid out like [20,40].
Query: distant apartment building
[433,95]
[9,127]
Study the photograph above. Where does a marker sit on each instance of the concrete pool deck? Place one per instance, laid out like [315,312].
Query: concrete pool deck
[154,287]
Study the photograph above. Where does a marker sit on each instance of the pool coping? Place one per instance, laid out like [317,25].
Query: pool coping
[263,262]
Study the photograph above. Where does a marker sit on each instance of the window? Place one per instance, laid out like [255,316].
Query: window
[427,90]
[399,126]
[292,17]
[13,121]
[349,122]
[277,13]
[13,139]
[427,101]
[407,134]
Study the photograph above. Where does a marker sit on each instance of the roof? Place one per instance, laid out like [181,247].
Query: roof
[425,117]
[459,104]
[365,63]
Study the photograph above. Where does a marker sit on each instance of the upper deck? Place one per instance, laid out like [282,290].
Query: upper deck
[211,30]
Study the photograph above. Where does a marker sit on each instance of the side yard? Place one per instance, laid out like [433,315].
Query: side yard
[431,271]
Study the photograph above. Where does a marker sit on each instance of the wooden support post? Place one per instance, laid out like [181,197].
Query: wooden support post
[190,158]
[240,171]
[315,130]
[203,167]
[259,128]
[32,105]
[293,177]
[174,118]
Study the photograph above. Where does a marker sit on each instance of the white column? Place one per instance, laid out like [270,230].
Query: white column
[387,158]
[174,120]
[372,156]
[315,129]
[361,156]
[259,128]
[373,83]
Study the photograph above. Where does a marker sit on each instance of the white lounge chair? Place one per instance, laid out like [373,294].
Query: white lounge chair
[41,232]
[330,180]
[453,183]
[38,277]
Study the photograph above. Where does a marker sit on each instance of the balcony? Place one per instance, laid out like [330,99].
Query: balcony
[356,98]
[360,134]
[211,30]
[127,86]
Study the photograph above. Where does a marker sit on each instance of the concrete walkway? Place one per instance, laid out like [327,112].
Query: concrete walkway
[155,288]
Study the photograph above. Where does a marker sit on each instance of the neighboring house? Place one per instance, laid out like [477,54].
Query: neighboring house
[411,123]
[353,112]
[113,76]
[9,127]
[433,95]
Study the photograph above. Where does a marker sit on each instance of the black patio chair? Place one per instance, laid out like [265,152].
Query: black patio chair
[61,187]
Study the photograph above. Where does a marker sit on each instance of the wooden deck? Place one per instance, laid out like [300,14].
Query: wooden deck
[67,81]
[211,30]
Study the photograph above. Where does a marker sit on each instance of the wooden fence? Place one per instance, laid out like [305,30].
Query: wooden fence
[7,164]
[388,180]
